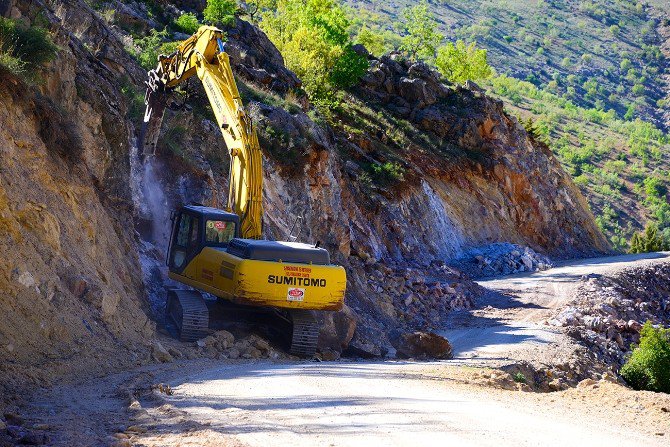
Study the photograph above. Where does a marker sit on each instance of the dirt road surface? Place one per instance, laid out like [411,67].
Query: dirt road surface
[510,322]
[371,403]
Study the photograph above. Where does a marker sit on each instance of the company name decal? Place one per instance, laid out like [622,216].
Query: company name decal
[294,281]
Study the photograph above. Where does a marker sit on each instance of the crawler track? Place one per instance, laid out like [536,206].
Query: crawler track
[188,311]
[305,333]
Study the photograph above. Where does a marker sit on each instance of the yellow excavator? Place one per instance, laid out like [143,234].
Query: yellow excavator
[220,252]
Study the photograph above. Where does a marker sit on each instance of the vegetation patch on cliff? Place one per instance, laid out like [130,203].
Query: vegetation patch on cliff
[25,49]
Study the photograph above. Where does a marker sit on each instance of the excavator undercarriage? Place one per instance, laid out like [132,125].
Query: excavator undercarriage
[187,310]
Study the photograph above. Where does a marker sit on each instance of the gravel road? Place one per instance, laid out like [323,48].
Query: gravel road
[390,404]
[509,323]
[373,403]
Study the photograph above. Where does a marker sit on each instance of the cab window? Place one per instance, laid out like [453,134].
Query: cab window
[186,240]
[194,233]
[183,230]
[219,231]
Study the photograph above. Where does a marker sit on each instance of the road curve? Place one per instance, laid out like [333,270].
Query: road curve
[265,403]
[509,323]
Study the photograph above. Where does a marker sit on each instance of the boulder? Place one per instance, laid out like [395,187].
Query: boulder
[257,75]
[422,345]
[634,326]
[160,354]
[338,330]
[251,50]
[374,78]
[233,353]
[224,339]
[433,119]
[415,92]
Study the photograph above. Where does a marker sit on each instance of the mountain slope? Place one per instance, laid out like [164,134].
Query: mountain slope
[596,52]
[392,191]
[592,76]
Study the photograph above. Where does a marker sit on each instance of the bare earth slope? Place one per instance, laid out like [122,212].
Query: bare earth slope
[370,403]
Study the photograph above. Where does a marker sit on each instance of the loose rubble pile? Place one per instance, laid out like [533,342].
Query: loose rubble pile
[421,296]
[579,366]
[501,259]
[609,312]
[15,431]
[219,345]
[406,297]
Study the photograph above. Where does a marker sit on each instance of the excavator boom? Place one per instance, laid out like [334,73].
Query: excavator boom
[203,55]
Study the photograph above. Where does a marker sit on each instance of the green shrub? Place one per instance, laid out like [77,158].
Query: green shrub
[24,50]
[460,62]
[134,99]
[654,187]
[151,46]
[220,12]
[520,378]
[421,37]
[375,41]
[187,23]
[313,37]
[648,367]
[12,63]
[386,174]
[648,241]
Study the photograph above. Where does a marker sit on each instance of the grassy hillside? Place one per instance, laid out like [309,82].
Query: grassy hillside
[621,166]
[588,76]
[597,53]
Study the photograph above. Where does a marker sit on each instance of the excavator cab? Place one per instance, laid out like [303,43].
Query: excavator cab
[195,227]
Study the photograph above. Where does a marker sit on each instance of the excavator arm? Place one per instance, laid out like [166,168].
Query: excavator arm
[203,55]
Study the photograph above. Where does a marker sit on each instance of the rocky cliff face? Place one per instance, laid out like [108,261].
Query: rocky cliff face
[409,175]
[69,270]
[472,176]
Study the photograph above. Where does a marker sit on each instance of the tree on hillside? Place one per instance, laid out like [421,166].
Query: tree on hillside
[421,37]
[648,241]
[256,8]
[220,12]
[313,37]
[460,62]
[375,41]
